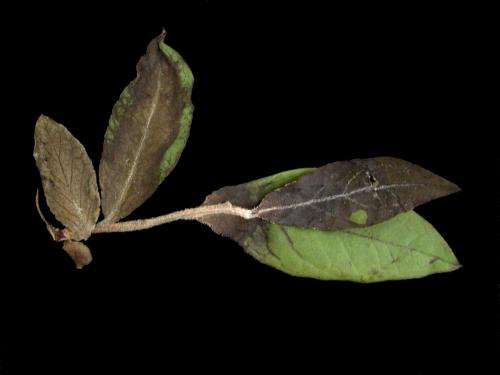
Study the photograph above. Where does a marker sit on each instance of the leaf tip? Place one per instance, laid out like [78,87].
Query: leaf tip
[456,267]
[43,118]
[456,188]
[43,123]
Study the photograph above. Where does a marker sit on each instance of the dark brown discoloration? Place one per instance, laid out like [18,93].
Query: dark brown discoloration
[246,195]
[144,123]
[434,259]
[325,198]
[61,235]
[231,226]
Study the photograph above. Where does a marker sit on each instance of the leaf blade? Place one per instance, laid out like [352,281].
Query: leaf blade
[68,177]
[147,132]
[353,194]
[403,247]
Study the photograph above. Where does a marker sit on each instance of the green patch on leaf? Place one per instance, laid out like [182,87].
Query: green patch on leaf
[185,75]
[147,132]
[173,153]
[359,217]
[403,247]
[257,189]
[118,110]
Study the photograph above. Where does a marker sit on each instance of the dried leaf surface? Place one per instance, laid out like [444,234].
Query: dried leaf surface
[147,131]
[353,194]
[68,178]
[79,252]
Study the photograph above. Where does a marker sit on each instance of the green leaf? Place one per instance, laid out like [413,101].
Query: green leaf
[352,194]
[147,131]
[403,247]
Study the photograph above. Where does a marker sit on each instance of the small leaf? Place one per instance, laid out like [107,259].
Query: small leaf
[68,178]
[353,194]
[147,131]
[403,247]
[79,252]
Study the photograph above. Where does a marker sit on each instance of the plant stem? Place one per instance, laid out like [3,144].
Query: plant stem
[187,214]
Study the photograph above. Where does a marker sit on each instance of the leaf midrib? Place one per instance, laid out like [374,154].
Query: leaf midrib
[313,201]
[131,174]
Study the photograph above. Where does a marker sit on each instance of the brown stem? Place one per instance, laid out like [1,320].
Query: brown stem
[187,214]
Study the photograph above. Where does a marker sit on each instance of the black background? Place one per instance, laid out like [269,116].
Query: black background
[275,89]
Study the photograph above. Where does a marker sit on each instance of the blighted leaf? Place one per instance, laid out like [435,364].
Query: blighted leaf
[403,247]
[147,131]
[245,195]
[68,178]
[79,252]
[353,194]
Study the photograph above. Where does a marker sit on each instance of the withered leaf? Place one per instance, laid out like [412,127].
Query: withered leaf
[352,194]
[403,247]
[68,178]
[79,252]
[246,195]
[147,131]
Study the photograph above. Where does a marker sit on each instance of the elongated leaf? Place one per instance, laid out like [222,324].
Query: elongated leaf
[147,131]
[352,194]
[403,247]
[68,178]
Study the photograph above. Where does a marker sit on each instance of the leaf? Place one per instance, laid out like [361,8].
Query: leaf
[68,178]
[147,131]
[403,247]
[356,193]
[245,195]
[79,252]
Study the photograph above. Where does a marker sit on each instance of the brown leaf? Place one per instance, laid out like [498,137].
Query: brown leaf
[246,195]
[147,131]
[68,178]
[355,193]
[79,252]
